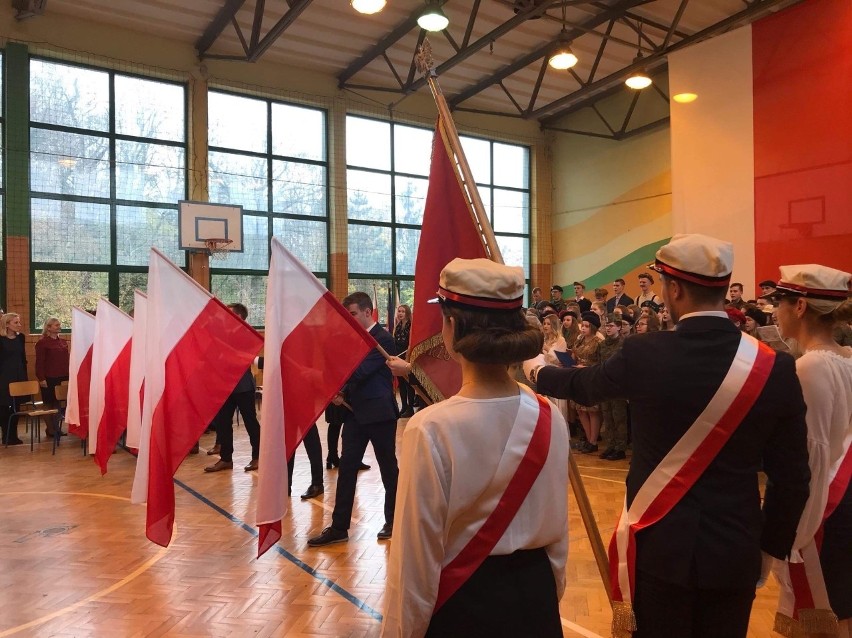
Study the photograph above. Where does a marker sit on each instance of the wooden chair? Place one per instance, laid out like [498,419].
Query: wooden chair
[31,409]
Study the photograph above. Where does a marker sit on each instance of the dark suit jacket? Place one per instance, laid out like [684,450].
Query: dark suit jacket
[712,537]
[370,388]
[585,304]
[624,300]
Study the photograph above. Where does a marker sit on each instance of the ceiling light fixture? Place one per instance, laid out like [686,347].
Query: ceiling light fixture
[564,57]
[433,18]
[639,79]
[368,7]
[685,98]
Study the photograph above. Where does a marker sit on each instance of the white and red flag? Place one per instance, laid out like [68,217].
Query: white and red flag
[80,372]
[312,346]
[448,231]
[196,352]
[108,390]
[137,369]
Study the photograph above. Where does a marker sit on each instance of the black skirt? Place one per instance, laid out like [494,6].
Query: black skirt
[835,557]
[511,596]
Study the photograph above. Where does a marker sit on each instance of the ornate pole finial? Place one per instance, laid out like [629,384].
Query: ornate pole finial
[424,60]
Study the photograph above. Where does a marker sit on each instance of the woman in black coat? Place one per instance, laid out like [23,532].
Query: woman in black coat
[13,367]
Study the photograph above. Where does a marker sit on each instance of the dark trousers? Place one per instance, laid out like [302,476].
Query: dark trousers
[614,416]
[314,449]
[664,610]
[10,431]
[48,394]
[244,402]
[334,414]
[406,394]
[382,435]
[507,596]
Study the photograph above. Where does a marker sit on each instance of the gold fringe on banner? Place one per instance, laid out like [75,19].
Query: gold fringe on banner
[811,622]
[623,620]
[432,347]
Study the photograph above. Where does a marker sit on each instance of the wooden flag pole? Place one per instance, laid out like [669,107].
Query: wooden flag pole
[425,65]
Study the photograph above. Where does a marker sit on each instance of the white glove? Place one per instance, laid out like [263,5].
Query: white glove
[532,364]
[765,567]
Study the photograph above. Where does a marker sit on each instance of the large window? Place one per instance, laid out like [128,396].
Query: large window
[107,167]
[270,158]
[387,179]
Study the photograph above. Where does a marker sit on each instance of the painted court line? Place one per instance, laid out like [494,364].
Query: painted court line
[360,604]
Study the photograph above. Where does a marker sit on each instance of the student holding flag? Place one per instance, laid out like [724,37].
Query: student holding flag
[481,532]
[711,407]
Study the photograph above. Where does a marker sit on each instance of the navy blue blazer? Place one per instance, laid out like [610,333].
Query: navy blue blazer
[623,300]
[370,388]
[713,536]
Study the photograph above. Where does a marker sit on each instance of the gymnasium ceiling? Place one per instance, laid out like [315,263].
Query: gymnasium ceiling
[491,59]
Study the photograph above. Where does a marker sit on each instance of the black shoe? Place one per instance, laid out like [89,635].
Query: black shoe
[252,466]
[363,467]
[386,532]
[313,491]
[406,414]
[329,535]
[618,455]
[194,449]
[15,441]
[607,452]
[331,463]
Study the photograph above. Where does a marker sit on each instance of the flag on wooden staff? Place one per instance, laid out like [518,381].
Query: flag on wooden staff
[196,351]
[80,372]
[312,346]
[448,232]
[109,391]
[137,369]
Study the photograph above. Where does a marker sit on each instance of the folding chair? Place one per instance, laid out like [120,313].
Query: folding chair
[29,408]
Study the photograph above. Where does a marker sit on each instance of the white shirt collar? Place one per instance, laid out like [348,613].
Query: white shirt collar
[705,313]
[374,324]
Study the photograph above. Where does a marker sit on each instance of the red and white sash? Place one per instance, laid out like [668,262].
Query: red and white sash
[803,606]
[478,548]
[682,467]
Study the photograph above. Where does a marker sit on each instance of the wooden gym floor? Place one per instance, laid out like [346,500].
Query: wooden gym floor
[74,560]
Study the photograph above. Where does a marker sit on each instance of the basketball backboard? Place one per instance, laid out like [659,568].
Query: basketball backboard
[200,221]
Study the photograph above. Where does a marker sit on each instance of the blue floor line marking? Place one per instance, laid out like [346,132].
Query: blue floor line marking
[360,604]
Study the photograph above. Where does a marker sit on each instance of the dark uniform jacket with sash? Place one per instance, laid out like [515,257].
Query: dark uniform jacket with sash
[712,536]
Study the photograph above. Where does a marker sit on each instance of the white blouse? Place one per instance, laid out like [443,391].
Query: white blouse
[826,379]
[450,454]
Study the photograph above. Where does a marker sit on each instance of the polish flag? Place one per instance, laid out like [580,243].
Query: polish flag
[80,372]
[375,304]
[312,346]
[196,352]
[137,369]
[108,391]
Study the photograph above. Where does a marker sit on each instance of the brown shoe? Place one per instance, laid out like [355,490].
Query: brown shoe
[213,450]
[218,466]
[251,467]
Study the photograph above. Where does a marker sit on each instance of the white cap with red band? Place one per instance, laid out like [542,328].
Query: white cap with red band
[814,282]
[481,284]
[696,258]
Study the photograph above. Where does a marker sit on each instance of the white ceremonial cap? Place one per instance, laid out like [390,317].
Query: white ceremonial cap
[696,258]
[481,284]
[813,281]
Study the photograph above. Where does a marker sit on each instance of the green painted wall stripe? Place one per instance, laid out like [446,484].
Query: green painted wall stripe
[17,112]
[643,255]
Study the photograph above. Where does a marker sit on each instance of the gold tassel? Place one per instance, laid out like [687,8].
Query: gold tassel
[623,620]
[811,623]
[788,627]
[818,621]
[432,347]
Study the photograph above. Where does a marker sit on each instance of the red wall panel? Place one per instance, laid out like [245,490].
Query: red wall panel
[802,61]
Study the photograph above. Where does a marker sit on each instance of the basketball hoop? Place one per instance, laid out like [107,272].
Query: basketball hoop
[217,247]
